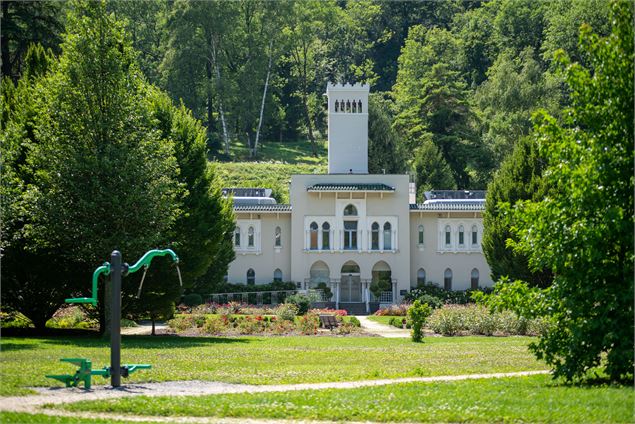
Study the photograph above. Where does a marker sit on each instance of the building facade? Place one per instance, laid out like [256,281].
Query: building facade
[348,229]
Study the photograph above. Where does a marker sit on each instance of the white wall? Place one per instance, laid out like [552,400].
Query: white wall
[265,260]
[435,260]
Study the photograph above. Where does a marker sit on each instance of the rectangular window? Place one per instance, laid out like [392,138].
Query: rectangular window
[350,235]
[474,237]
[375,240]
[461,238]
[325,240]
[420,236]
[447,238]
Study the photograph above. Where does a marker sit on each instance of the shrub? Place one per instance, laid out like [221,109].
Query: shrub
[128,323]
[309,324]
[328,294]
[394,310]
[418,313]
[432,301]
[192,299]
[346,328]
[453,297]
[214,325]
[181,323]
[446,321]
[71,317]
[283,326]
[287,311]
[302,301]
[399,322]
[14,320]
[354,321]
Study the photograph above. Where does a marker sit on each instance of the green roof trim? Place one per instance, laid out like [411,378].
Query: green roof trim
[351,187]
[262,208]
[456,205]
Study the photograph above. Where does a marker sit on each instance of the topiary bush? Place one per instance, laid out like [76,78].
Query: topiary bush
[418,313]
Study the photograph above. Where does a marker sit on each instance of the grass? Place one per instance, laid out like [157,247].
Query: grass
[294,152]
[264,360]
[24,418]
[517,399]
[273,166]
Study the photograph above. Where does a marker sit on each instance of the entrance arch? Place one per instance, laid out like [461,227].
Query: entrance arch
[319,273]
[381,281]
[350,283]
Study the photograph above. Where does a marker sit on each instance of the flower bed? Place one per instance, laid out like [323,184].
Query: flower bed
[239,319]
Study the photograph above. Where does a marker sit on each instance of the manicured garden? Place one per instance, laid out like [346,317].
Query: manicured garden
[517,399]
[265,360]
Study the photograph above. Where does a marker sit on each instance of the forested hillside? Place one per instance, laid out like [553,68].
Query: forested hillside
[455,83]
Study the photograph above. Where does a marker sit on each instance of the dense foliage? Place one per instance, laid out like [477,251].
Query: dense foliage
[463,76]
[582,230]
[97,160]
[519,178]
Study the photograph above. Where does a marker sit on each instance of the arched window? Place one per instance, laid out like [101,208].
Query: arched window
[387,236]
[278,237]
[359,106]
[447,279]
[448,236]
[326,236]
[237,237]
[474,279]
[461,235]
[314,236]
[277,276]
[420,231]
[421,277]
[474,235]
[250,237]
[251,277]
[350,210]
[374,236]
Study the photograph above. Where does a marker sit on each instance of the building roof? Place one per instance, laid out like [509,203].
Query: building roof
[455,194]
[262,208]
[351,187]
[477,205]
[247,192]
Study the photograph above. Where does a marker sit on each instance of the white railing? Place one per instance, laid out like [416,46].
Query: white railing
[252,297]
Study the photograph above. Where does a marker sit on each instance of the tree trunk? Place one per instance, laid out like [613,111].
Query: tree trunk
[220,100]
[309,127]
[153,332]
[264,96]
[210,103]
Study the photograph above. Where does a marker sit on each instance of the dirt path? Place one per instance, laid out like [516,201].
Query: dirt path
[61,395]
[382,330]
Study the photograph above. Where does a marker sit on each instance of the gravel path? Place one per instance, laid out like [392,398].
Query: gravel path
[60,395]
[382,330]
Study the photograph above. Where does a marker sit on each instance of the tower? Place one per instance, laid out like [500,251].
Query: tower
[348,128]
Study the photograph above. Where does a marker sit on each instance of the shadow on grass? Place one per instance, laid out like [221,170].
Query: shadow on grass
[149,342]
[4,347]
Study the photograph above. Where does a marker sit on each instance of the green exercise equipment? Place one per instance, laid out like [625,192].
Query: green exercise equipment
[116,269]
[85,372]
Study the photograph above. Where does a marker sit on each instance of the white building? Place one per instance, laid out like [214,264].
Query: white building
[349,228]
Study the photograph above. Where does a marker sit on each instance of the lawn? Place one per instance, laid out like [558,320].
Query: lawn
[265,360]
[294,152]
[516,399]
